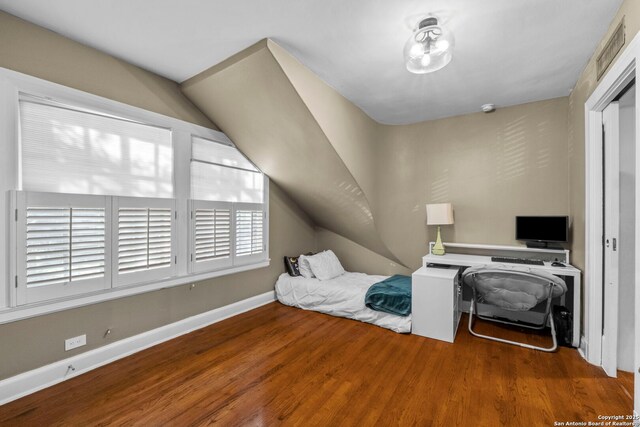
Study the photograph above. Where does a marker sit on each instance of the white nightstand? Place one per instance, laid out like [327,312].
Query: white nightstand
[435,311]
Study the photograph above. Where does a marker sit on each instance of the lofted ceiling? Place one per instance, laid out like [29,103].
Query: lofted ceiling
[507,52]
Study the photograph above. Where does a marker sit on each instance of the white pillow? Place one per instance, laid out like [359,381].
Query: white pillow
[304,267]
[325,265]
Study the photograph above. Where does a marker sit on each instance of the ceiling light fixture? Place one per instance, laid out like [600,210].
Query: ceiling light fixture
[429,48]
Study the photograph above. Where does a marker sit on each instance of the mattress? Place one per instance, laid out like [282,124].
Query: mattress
[342,296]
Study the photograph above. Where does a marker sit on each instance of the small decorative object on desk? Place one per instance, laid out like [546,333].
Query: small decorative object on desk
[439,214]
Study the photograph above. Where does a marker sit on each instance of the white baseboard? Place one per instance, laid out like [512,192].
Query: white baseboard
[583,348]
[31,381]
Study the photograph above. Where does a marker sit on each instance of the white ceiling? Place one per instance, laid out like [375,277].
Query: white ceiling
[507,51]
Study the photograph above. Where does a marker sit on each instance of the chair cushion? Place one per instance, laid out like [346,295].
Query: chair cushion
[513,288]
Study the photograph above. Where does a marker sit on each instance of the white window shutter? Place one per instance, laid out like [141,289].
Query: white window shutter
[211,235]
[144,240]
[63,245]
[250,222]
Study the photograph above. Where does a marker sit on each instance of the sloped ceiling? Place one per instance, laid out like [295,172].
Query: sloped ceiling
[263,100]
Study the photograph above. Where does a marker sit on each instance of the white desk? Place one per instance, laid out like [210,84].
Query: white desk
[465,260]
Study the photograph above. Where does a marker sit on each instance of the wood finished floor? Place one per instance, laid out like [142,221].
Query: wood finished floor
[281,365]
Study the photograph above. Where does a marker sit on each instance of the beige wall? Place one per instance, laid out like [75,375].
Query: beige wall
[585,86]
[491,167]
[31,343]
[33,50]
[354,257]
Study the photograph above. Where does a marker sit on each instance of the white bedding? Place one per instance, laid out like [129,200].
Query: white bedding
[342,296]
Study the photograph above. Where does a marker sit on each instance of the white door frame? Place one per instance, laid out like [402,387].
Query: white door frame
[622,72]
[611,120]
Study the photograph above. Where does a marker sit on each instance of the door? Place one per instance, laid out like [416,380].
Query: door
[611,142]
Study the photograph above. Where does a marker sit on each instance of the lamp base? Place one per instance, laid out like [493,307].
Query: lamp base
[438,247]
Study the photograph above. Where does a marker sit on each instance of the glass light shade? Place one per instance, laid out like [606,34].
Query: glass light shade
[428,49]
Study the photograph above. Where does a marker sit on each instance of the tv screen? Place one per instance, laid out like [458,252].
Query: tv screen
[542,228]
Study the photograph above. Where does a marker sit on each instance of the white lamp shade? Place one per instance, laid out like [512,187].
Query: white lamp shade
[439,214]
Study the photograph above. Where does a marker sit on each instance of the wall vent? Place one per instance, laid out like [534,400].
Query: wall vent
[611,49]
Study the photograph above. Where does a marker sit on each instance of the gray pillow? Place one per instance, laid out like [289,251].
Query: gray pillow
[304,267]
[325,265]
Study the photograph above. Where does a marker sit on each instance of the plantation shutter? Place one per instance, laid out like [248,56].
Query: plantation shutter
[145,236]
[250,240]
[63,245]
[211,239]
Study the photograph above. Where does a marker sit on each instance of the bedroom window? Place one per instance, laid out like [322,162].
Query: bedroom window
[66,150]
[102,200]
[236,178]
[228,219]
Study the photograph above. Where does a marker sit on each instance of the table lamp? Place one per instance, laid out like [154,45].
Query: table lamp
[439,214]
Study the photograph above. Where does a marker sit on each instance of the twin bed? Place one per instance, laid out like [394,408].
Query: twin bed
[342,296]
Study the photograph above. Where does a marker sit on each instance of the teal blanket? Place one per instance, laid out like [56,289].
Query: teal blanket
[392,295]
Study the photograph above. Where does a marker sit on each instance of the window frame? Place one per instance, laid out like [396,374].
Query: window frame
[13,85]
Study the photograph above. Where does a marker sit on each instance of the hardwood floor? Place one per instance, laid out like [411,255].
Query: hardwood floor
[281,365]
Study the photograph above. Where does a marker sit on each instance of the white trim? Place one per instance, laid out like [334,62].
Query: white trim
[582,349]
[620,74]
[267,210]
[29,382]
[609,340]
[8,315]
[9,161]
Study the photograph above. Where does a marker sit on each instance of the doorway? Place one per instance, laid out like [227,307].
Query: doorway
[618,285]
[619,76]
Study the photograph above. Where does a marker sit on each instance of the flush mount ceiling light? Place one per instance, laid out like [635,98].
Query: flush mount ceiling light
[429,48]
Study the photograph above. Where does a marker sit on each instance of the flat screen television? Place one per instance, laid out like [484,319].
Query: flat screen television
[539,231]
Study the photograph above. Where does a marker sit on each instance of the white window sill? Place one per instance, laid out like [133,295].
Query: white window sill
[12,314]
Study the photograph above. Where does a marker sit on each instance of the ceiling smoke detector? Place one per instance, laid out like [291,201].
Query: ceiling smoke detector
[488,108]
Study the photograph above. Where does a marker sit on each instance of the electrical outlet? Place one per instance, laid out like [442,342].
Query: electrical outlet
[75,342]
